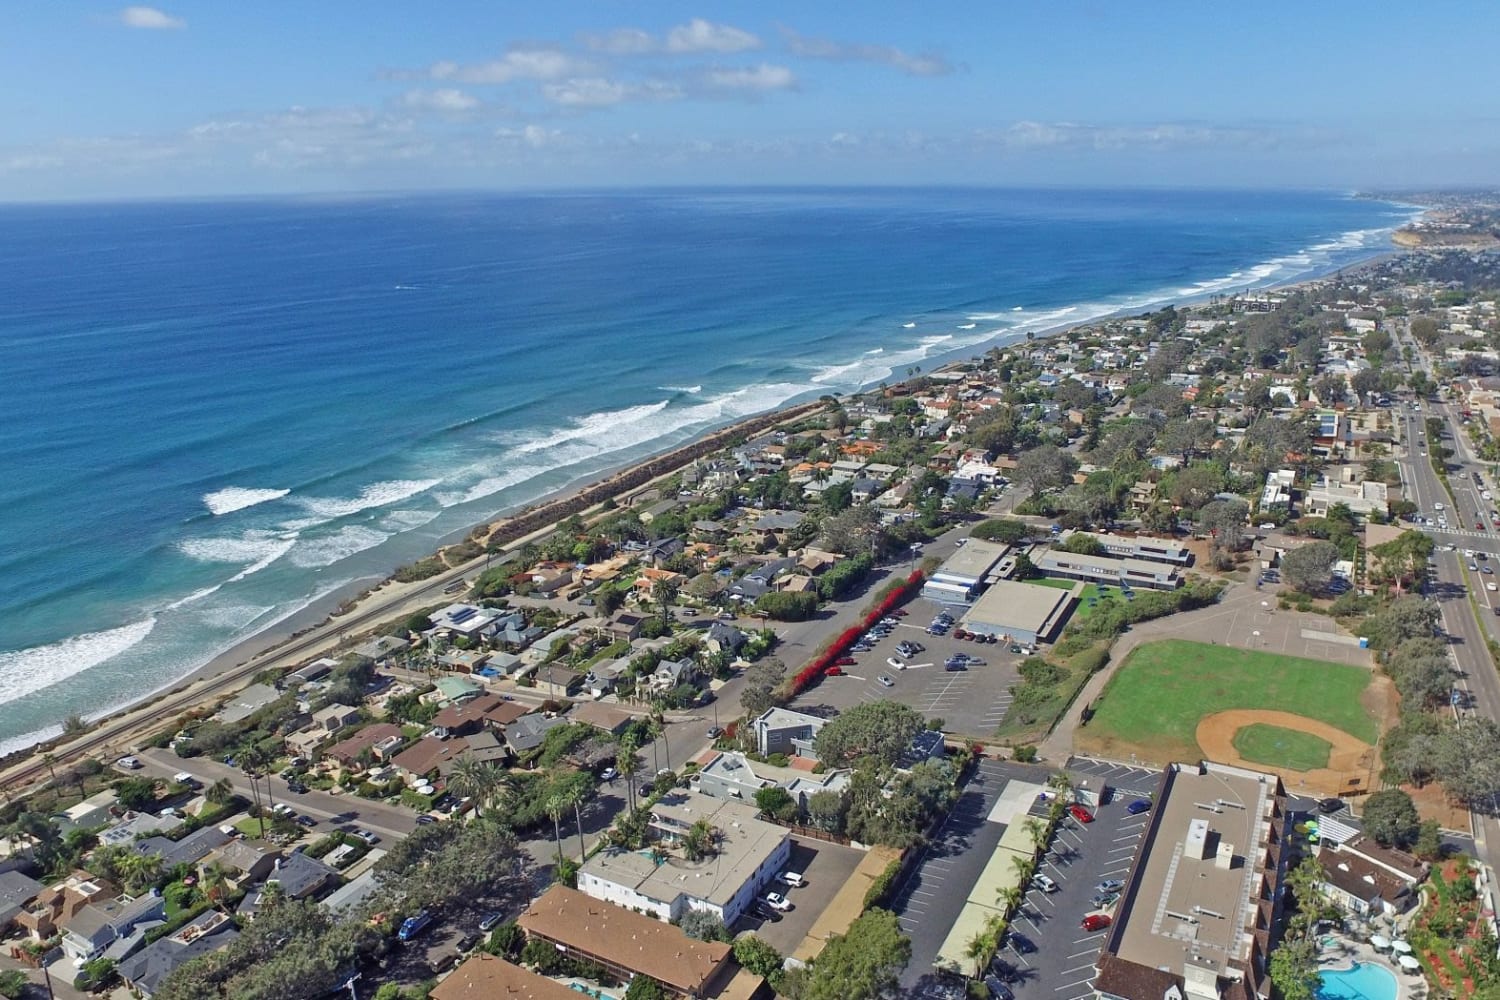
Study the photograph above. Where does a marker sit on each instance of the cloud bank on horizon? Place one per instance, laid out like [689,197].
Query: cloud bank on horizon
[210,98]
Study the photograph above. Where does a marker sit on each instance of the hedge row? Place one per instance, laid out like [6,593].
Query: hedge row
[818,666]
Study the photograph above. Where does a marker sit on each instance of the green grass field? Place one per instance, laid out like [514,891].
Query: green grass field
[1082,610]
[1157,696]
[1279,747]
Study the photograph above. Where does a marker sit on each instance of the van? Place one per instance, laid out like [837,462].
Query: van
[412,926]
[793,879]
[1438,506]
[183,778]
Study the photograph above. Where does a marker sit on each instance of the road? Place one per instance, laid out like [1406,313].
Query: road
[1451,581]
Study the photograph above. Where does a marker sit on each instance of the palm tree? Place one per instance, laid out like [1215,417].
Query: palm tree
[555,805]
[220,792]
[214,884]
[254,761]
[664,592]
[1022,866]
[50,760]
[1036,829]
[475,779]
[580,794]
[625,763]
[978,951]
[1010,897]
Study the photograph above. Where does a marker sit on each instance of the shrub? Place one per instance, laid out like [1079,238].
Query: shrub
[884,884]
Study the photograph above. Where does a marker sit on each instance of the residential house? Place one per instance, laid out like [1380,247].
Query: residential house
[379,738]
[383,649]
[133,826]
[626,625]
[296,876]
[528,732]
[96,810]
[247,702]
[732,775]
[446,690]
[425,757]
[671,673]
[1278,489]
[606,717]
[483,975]
[467,620]
[722,637]
[1359,886]
[558,681]
[333,718]
[190,850]
[781,730]
[1361,496]
[310,673]
[145,971]
[17,892]
[100,924]
[472,716]
[55,906]
[245,862]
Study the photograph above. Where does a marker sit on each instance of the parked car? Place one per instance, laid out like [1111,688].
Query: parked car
[414,925]
[777,901]
[793,879]
[183,778]
[894,663]
[845,661]
[1043,883]
[608,774]
[834,672]
[296,787]
[1105,900]
[426,820]
[1021,943]
[1095,922]
[953,667]
[998,990]
[764,912]
[715,732]
[1138,806]
[885,681]
[307,821]
[491,921]
[1110,885]
[1330,805]
[1079,813]
[367,837]
[129,763]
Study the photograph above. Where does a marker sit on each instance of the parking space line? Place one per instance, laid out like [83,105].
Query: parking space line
[1069,986]
[1076,968]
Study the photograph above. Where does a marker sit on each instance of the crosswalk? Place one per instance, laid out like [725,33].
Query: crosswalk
[1459,532]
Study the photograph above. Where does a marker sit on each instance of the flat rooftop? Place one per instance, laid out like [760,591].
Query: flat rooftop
[1027,606]
[973,559]
[747,844]
[1192,897]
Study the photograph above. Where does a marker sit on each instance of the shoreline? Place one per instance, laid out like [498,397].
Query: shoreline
[368,596]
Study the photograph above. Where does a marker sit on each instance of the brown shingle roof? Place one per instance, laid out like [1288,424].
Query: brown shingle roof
[424,756]
[364,739]
[485,977]
[624,938]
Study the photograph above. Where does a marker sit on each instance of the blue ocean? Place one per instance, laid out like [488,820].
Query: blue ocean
[213,413]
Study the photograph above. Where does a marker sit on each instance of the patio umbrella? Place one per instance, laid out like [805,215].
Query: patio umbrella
[1402,947]
[1409,963]
[1379,942]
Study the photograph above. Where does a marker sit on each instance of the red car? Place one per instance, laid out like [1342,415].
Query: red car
[1081,814]
[1095,922]
[834,672]
[897,612]
[846,661]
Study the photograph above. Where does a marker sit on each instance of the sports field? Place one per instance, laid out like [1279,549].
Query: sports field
[1280,747]
[1154,703]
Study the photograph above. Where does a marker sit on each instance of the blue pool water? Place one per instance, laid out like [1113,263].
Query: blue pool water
[1361,982]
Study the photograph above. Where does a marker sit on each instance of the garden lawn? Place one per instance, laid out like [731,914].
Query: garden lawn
[1161,691]
[1280,747]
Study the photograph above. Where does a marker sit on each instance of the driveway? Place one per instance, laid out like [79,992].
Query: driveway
[826,867]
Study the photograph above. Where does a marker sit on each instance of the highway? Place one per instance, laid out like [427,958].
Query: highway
[1451,581]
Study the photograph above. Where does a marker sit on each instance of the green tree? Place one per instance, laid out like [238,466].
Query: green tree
[220,792]
[1045,468]
[1003,529]
[1391,818]
[1310,567]
[786,606]
[761,680]
[1083,544]
[700,925]
[881,730]
[13,984]
[863,964]
[136,793]
[776,802]
[1294,969]
[643,987]
[757,956]
[482,781]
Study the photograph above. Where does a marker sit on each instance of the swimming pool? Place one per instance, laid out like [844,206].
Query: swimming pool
[1361,981]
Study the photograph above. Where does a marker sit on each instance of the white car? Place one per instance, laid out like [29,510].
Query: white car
[891,661]
[777,901]
[1491,586]
[129,763]
[885,681]
[793,879]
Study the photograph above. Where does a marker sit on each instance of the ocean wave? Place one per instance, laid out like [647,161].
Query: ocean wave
[231,617]
[375,495]
[233,498]
[595,427]
[406,520]
[689,390]
[193,598]
[26,670]
[315,553]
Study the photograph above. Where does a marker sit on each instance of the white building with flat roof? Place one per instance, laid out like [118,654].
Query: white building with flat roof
[1121,573]
[963,575]
[1026,612]
[749,856]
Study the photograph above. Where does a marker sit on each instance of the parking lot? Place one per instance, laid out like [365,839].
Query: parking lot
[826,867]
[929,901]
[970,702]
[1052,955]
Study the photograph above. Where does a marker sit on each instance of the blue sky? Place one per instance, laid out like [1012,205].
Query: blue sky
[200,98]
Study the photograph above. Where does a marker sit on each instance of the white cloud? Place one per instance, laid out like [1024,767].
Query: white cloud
[150,18]
[623,42]
[597,92]
[517,64]
[1167,135]
[920,64]
[762,78]
[534,136]
[441,99]
[699,35]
